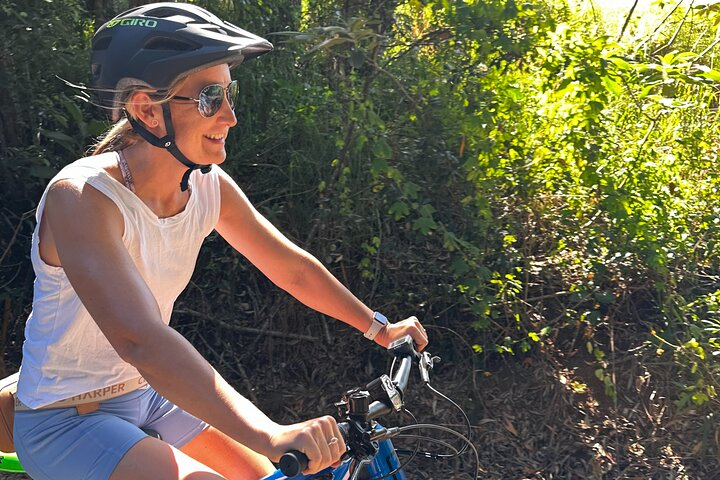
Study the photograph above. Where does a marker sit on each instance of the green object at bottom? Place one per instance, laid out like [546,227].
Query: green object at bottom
[9,463]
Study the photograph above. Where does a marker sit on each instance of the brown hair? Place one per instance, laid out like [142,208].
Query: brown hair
[121,135]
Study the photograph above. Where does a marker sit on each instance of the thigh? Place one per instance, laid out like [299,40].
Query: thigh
[228,457]
[175,426]
[60,444]
[153,459]
[204,444]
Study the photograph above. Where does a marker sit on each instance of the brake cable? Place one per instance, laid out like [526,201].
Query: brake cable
[424,372]
[463,449]
[429,440]
[426,382]
[429,426]
[413,454]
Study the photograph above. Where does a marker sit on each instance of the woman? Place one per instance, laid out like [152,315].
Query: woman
[115,244]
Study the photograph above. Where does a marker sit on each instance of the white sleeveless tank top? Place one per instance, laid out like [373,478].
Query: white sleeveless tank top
[65,353]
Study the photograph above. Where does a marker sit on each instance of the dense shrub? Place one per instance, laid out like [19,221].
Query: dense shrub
[499,167]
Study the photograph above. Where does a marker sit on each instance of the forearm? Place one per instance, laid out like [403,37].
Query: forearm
[178,372]
[317,288]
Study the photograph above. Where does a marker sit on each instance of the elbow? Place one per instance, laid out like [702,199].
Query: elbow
[147,347]
[298,276]
[129,351]
[139,349]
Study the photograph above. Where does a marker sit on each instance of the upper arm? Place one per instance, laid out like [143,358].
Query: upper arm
[87,229]
[251,234]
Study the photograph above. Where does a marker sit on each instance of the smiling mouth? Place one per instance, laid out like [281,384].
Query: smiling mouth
[215,137]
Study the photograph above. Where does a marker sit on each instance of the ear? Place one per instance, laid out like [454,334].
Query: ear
[147,111]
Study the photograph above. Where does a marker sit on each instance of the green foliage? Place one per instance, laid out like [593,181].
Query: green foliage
[41,126]
[597,164]
[497,166]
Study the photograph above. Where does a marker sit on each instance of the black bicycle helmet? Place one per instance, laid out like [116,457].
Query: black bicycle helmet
[155,44]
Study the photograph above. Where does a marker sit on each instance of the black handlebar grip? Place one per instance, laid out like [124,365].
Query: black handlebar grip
[344,430]
[293,462]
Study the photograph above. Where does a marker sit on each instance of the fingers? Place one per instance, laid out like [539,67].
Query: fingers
[336,442]
[417,332]
[410,326]
[322,442]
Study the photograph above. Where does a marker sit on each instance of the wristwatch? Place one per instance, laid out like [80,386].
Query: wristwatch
[379,322]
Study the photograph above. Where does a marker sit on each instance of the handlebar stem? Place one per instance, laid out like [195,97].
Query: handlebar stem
[360,431]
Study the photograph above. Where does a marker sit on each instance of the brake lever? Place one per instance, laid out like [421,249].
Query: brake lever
[426,364]
[384,433]
[355,468]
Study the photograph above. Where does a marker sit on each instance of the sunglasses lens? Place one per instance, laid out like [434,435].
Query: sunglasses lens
[232,93]
[211,99]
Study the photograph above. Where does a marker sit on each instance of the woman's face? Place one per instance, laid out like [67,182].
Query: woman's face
[202,139]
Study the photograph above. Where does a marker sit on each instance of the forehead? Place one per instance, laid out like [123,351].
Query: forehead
[217,74]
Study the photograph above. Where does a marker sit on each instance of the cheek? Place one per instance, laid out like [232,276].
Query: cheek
[185,119]
[188,131]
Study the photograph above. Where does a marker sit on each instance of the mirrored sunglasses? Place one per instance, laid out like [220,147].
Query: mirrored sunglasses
[211,98]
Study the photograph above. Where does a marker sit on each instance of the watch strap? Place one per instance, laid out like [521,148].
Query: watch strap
[379,322]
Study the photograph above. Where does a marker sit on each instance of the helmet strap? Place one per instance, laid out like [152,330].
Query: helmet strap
[168,143]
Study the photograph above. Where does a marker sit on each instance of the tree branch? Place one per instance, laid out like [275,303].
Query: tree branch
[248,330]
[15,233]
[677,30]
[647,39]
[627,20]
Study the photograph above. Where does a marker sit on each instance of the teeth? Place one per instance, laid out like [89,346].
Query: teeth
[215,137]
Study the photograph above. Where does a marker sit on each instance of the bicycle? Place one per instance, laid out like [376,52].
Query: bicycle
[369,446]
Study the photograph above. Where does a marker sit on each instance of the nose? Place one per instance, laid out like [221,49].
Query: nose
[227,114]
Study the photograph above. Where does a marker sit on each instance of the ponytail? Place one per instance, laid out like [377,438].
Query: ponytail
[120,136]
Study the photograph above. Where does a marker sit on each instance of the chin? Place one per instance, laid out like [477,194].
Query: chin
[221,158]
[215,158]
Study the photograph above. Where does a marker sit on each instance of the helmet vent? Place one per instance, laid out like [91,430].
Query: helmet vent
[213,28]
[102,44]
[161,12]
[169,44]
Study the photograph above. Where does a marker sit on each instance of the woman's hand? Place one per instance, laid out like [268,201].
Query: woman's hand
[320,439]
[410,326]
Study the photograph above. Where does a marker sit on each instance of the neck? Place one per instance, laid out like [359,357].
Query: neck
[156,172]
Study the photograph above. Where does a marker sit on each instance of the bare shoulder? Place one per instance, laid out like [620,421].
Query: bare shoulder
[232,199]
[71,201]
[66,187]
[226,181]
[74,191]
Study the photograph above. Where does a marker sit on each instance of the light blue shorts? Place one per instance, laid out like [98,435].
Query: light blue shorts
[57,444]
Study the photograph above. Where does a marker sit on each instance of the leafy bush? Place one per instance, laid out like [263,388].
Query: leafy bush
[499,166]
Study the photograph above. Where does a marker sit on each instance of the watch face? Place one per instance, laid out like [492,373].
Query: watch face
[380,318]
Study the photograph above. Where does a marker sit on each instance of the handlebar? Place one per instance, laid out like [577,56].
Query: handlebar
[390,391]
[294,462]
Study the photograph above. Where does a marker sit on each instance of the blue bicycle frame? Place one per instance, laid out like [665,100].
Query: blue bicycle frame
[384,463]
